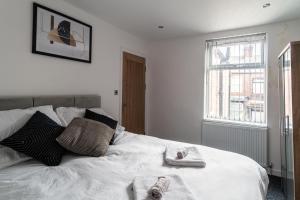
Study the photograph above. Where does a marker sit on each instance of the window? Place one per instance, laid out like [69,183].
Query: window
[236,83]
[258,86]
[237,110]
[235,79]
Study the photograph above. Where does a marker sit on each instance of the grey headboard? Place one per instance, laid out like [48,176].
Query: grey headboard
[81,101]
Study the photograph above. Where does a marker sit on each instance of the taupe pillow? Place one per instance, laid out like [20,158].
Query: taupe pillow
[86,137]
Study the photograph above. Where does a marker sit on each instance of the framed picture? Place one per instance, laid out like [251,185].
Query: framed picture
[58,35]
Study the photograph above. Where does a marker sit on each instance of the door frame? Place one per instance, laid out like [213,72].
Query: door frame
[140,54]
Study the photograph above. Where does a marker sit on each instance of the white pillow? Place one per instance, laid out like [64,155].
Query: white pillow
[9,157]
[67,114]
[10,122]
[119,132]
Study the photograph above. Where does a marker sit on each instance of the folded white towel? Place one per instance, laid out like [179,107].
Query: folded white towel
[192,159]
[177,189]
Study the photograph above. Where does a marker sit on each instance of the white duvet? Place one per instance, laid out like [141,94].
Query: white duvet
[227,176]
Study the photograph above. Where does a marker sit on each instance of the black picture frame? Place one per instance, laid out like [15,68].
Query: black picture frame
[36,6]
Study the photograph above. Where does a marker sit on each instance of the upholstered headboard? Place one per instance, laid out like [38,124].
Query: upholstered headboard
[81,101]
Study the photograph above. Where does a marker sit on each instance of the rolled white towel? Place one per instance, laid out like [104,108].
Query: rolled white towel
[177,189]
[159,188]
[181,153]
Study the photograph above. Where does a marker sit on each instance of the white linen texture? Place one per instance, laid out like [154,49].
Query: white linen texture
[227,176]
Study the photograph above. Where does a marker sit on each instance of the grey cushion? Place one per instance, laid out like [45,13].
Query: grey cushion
[86,137]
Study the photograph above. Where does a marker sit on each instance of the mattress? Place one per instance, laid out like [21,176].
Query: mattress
[227,176]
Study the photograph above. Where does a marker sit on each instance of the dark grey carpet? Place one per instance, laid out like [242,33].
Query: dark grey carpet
[274,191]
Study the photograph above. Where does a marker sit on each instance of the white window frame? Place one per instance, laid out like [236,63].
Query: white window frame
[206,85]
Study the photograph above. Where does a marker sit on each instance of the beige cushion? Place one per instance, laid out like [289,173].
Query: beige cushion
[86,137]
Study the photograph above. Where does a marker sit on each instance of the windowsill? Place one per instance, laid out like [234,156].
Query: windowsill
[235,123]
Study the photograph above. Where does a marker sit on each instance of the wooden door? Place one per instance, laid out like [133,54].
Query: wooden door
[133,93]
[295,65]
[290,126]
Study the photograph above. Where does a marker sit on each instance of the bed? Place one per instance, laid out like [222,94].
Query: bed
[227,176]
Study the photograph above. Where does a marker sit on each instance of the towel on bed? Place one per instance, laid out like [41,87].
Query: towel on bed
[181,153]
[193,158]
[177,189]
[159,188]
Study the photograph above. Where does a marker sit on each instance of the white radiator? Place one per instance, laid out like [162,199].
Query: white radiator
[247,140]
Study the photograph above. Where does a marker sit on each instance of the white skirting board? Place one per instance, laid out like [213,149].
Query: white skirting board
[248,140]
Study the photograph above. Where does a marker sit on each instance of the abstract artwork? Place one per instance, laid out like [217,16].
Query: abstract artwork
[58,35]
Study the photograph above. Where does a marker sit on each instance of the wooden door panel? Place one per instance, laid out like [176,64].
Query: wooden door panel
[295,62]
[133,100]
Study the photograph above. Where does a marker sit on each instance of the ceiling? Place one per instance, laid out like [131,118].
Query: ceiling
[187,17]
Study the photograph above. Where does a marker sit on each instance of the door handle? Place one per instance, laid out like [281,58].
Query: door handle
[287,126]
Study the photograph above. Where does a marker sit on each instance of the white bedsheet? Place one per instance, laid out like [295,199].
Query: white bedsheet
[227,176]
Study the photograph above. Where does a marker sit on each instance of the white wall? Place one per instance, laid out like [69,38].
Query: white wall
[175,76]
[177,83]
[24,73]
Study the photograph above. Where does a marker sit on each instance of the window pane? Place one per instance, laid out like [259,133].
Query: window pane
[236,93]
[258,86]
[237,54]
[236,110]
[236,84]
